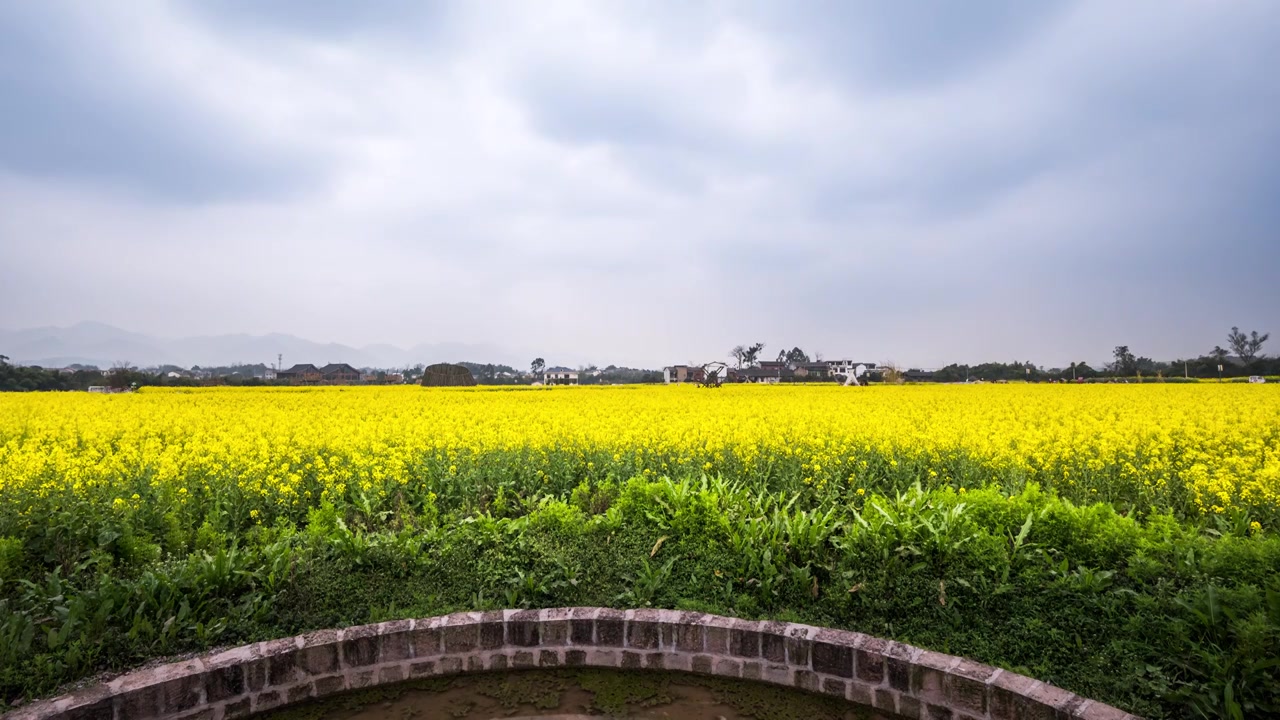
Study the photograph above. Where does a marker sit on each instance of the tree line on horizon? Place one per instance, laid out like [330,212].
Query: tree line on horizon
[1241,357]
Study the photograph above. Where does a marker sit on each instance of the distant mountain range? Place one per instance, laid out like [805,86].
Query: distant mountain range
[92,343]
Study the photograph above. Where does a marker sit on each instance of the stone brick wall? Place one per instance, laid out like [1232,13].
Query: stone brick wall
[896,680]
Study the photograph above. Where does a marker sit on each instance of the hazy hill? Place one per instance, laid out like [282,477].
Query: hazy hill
[92,343]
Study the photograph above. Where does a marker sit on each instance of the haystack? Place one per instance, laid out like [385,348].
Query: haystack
[446,375]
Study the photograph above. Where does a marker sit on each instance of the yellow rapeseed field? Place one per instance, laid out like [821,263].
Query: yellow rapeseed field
[258,454]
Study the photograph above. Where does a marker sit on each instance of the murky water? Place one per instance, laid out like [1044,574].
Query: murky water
[573,694]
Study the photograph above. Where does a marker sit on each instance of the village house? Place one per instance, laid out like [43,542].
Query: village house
[768,372]
[301,374]
[847,367]
[683,374]
[339,374]
[811,370]
[560,376]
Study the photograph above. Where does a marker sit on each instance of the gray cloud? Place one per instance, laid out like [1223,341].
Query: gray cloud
[643,183]
[75,111]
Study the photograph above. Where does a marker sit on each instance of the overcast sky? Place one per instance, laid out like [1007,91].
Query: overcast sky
[651,182]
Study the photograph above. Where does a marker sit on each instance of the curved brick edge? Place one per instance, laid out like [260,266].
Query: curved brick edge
[892,677]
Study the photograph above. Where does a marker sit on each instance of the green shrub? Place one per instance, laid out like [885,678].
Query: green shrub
[1159,616]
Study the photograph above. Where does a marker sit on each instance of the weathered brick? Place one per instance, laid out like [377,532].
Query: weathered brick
[223,683]
[861,693]
[360,651]
[834,686]
[806,680]
[1003,694]
[870,660]
[728,668]
[282,668]
[580,631]
[642,635]
[965,694]
[298,693]
[928,672]
[798,647]
[395,647]
[909,707]
[833,659]
[425,668]
[965,686]
[318,660]
[492,635]
[265,700]
[937,712]
[778,674]
[524,629]
[575,658]
[602,658]
[717,639]
[899,672]
[609,629]
[773,646]
[555,633]
[255,674]
[632,660]
[689,637]
[1099,711]
[329,685]
[425,640]
[103,709]
[460,638]
[744,642]
[548,658]
[655,661]
[235,710]
[702,664]
[181,693]
[522,659]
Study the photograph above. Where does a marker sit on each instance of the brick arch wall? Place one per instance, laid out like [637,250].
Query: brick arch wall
[893,679]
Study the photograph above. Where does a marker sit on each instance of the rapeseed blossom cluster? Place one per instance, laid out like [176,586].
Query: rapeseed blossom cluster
[257,454]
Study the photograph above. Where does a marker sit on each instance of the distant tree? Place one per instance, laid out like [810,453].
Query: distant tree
[537,366]
[739,355]
[1125,363]
[752,354]
[891,373]
[1219,353]
[782,356]
[1083,370]
[1246,347]
[4,359]
[796,355]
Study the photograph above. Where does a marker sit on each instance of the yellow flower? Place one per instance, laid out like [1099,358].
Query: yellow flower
[1197,448]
